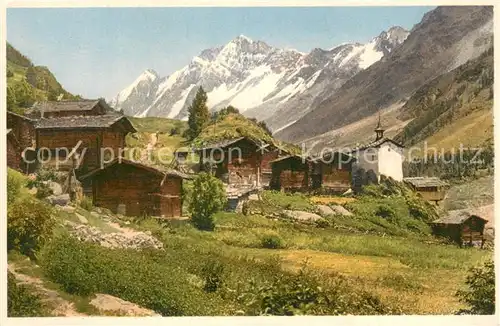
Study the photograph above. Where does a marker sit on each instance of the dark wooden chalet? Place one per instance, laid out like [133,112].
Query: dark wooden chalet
[269,153]
[331,172]
[429,188]
[235,162]
[106,132]
[22,128]
[57,109]
[136,189]
[461,227]
[13,151]
[291,173]
[22,134]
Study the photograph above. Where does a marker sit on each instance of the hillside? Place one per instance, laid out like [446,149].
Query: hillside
[365,264]
[28,83]
[234,125]
[445,38]
[454,108]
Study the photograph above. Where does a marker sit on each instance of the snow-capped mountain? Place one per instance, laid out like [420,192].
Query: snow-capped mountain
[260,80]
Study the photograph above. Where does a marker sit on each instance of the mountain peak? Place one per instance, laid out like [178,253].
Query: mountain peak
[150,73]
[242,37]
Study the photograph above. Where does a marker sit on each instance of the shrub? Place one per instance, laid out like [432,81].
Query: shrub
[22,301]
[306,294]
[149,278]
[324,223]
[271,241]
[213,274]
[15,182]
[43,191]
[208,197]
[480,295]
[29,225]
[86,203]
[386,212]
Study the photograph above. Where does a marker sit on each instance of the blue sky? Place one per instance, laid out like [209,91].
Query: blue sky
[95,52]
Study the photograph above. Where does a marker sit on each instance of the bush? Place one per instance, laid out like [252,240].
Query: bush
[43,191]
[213,274]
[15,182]
[287,294]
[29,225]
[480,295]
[22,301]
[149,278]
[86,203]
[386,212]
[271,241]
[208,197]
[324,223]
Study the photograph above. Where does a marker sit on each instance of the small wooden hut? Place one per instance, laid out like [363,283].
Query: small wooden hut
[430,188]
[331,173]
[135,189]
[234,161]
[291,173]
[461,227]
[98,135]
[14,158]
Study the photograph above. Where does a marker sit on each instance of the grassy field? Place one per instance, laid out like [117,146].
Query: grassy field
[370,264]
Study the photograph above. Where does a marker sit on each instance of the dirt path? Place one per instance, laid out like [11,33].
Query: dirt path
[60,306]
[153,140]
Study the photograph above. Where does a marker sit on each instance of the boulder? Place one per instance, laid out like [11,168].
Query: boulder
[67,209]
[301,215]
[109,303]
[55,187]
[61,200]
[82,218]
[337,209]
[325,210]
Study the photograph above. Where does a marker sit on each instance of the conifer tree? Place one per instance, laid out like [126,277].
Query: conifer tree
[199,116]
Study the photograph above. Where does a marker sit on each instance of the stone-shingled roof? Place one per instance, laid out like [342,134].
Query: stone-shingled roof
[162,171]
[456,217]
[79,105]
[418,182]
[94,122]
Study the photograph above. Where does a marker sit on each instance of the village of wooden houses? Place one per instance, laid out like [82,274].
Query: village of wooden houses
[327,198]
[256,180]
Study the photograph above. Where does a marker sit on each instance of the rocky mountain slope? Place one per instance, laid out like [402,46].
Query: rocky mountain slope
[260,80]
[445,38]
[451,98]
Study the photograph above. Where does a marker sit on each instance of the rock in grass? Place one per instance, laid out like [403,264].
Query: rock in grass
[110,304]
[325,210]
[337,209]
[82,218]
[301,215]
[61,200]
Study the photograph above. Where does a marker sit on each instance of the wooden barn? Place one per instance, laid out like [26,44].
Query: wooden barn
[22,128]
[331,173]
[461,227]
[14,158]
[64,108]
[136,189]
[102,135]
[291,173]
[235,162]
[269,154]
[430,188]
